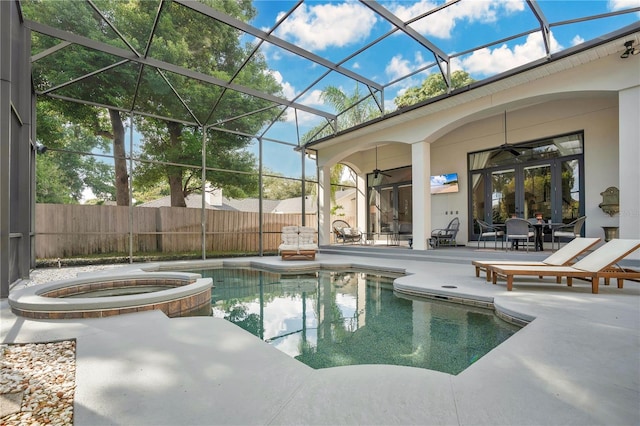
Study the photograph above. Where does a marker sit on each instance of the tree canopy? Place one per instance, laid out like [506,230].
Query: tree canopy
[181,37]
[354,109]
[432,86]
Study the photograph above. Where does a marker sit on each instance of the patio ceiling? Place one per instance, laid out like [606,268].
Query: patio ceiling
[118,50]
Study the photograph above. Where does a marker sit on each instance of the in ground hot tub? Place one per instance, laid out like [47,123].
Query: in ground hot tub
[174,293]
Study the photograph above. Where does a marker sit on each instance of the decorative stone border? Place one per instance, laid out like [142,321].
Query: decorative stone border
[190,295]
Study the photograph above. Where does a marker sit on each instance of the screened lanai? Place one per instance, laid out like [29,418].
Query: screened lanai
[194,128]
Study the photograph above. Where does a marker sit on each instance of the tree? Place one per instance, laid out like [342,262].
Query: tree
[352,110]
[182,37]
[280,188]
[196,42]
[432,86]
[61,177]
[77,17]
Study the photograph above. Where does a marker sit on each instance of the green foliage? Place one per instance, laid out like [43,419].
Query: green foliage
[432,86]
[223,152]
[352,110]
[50,184]
[182,37]
[281,189]
[188,39]
[61,177]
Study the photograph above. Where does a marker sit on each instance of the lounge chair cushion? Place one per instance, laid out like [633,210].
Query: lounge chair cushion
[290,239]
[298,242]
[290,230]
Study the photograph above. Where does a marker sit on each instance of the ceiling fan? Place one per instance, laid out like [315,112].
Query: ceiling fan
[509,147]
[377,171]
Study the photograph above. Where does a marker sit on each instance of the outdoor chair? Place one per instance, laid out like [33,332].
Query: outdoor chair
[601,263]
[519,230]
[570,231]
[345,233]
[565,256]
[488,231]
[405,231]
[446,236]
[298,242]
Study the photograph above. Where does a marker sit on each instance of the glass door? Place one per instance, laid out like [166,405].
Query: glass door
[387,210]
[570,200]
[503,196]
[405,209]
[541,177]
[537,192]
[390,203]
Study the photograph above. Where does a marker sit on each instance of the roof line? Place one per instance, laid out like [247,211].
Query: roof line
[607,38]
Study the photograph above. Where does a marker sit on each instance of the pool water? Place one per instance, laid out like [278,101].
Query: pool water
[336,318]
[118,291]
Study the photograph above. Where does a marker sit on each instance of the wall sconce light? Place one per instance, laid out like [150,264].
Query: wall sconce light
[41,149]
[629,49]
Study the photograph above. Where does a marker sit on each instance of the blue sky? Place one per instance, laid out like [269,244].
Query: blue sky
[336,29]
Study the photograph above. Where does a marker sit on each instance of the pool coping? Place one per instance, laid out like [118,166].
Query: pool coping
[401,284]
[33,299]
[575,364]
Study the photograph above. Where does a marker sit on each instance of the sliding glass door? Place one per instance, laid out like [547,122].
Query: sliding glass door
[390,202]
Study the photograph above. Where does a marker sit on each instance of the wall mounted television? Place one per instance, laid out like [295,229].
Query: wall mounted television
[444,184]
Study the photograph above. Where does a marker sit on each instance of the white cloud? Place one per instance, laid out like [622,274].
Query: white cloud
[389,105]
[398,67]
[312,98]
[623,4]
[577,40]
[441,24]
[321,26]
[288,90]
[491,61]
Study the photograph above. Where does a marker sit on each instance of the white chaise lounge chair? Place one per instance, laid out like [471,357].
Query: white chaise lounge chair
[562,257]
[601,263]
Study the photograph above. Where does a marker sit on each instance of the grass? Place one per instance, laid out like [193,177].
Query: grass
[114,258]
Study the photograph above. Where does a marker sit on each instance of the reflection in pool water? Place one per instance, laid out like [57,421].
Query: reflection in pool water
[327,319]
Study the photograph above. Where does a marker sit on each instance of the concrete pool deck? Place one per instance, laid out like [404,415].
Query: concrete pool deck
[576,363]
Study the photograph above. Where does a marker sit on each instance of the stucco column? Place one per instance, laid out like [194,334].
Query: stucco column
[361,202]
[324,205]
[421,190]
[629,172]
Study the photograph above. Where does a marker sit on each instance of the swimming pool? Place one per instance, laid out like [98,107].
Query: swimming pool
[347,317]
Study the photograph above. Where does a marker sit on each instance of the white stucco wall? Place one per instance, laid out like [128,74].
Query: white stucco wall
[597,116]
[541,103]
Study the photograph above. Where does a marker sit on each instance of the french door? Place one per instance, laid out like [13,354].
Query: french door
[391,208]
[552,188]
[390,200]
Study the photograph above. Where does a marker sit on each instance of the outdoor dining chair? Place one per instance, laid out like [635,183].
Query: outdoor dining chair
[519,230]
[568,231]
[489,232]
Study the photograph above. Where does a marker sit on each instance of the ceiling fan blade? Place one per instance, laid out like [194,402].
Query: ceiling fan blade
[513,151]
[378,172]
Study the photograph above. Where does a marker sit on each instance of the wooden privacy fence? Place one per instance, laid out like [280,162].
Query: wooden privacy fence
[64,230]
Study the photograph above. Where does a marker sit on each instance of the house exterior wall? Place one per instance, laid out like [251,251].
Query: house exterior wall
[549,101]
[597,116]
